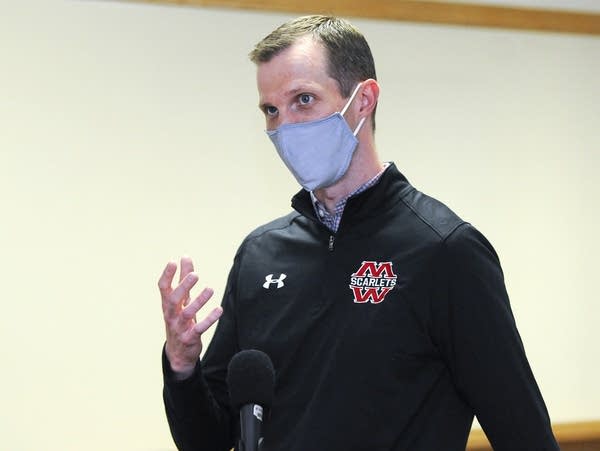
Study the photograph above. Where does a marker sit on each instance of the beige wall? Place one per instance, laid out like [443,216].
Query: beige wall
[129,135]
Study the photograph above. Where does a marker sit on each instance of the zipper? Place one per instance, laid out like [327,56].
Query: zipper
[331,240]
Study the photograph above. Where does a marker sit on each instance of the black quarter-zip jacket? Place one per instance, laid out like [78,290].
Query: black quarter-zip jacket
[387,336]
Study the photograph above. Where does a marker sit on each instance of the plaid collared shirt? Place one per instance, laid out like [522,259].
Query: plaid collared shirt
[332,220]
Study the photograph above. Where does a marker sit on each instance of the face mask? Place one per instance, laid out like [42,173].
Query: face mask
[317,153]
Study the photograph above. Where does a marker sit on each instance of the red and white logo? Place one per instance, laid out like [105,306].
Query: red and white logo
[372,282]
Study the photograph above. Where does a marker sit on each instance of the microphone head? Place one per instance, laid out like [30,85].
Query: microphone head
[251,379]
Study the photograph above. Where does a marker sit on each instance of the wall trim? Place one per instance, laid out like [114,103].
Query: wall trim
[583,433]
[438,12]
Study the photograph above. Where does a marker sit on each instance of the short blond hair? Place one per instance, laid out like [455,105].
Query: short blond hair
[349,57]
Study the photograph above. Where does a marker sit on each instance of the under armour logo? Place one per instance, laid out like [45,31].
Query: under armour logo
[269,280]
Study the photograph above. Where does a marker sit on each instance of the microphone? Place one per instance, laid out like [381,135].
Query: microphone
[251,382]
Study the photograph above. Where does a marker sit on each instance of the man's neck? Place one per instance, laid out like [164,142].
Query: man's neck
[359,173]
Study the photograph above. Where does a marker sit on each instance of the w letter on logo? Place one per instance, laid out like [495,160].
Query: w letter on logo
[362,295]
[269,280]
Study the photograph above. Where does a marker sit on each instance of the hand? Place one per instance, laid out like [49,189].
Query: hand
[184,343]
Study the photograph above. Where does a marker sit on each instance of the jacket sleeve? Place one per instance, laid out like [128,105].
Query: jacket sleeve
[481,345]
[198,411]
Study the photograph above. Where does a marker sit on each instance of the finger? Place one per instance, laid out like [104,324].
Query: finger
[178,296]
[189,312]
[166,278]
[202,326]
[187,266]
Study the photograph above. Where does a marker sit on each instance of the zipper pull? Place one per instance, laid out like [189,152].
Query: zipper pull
[331,239]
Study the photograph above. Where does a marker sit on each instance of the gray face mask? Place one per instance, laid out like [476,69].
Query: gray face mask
[317,153]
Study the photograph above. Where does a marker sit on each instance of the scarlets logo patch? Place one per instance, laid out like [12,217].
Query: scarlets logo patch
[372,282]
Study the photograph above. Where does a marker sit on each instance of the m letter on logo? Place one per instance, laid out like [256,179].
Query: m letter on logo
[375,270]
[372,282]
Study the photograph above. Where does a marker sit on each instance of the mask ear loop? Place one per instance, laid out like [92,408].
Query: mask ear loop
[362,121]
[359,126]
[350,99]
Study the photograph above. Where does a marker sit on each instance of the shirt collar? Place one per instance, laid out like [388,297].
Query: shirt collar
[332,220]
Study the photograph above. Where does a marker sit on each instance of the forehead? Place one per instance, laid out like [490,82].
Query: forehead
[302,65]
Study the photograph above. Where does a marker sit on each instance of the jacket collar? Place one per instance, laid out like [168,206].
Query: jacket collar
[391,187]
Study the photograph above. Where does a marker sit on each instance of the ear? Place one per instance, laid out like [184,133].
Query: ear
[368,97]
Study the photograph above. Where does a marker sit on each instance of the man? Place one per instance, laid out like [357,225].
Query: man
[385,314]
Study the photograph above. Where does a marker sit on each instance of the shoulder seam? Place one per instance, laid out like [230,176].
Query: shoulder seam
[429,224]
[292,218]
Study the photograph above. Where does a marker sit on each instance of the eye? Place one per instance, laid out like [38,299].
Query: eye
[271,110]
[305,99]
